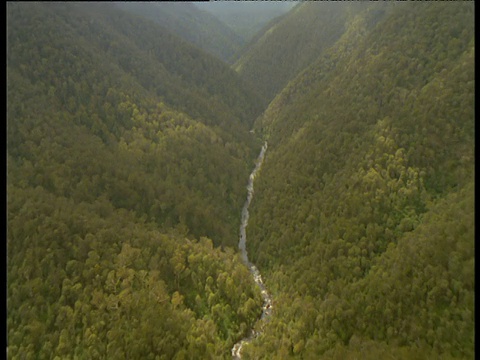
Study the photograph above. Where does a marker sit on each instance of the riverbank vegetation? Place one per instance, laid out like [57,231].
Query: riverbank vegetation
[127,158]
[363,218]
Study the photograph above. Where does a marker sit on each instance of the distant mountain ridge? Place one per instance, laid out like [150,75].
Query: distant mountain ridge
[292,42]
[246,18]
[192,24]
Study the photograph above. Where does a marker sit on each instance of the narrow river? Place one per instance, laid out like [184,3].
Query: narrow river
[267,300]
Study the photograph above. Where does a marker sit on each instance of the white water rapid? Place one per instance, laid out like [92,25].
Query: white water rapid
[267,300]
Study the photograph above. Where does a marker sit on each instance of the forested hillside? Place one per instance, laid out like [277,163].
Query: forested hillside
[128,153]
[363,218]
[292,42]
[191,23]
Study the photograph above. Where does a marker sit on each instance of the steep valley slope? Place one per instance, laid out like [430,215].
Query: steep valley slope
[363,219]
[128,152]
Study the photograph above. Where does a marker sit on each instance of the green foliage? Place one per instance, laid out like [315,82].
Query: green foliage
[91,281]
[366,194]
[125,167]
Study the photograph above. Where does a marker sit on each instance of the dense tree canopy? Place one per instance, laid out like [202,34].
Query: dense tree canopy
[363,215]
[127,162]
